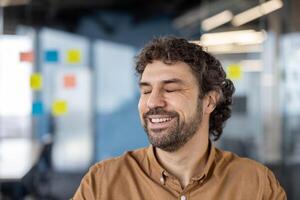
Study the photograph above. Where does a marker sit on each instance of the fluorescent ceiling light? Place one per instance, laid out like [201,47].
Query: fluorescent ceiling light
[234,49]
[231,48]
[244,37]
[256,12]
[4,3]
[217,20]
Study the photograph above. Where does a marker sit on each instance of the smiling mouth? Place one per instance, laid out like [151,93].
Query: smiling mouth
[160,122]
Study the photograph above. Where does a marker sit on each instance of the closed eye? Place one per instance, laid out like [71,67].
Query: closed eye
[146,92]
[170,91]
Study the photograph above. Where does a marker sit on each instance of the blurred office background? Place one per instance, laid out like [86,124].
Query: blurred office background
[68,92]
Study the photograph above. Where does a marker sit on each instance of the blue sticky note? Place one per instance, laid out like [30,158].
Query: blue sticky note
[37,108]
[51,56]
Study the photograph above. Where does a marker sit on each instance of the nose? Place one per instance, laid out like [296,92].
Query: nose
[155,100]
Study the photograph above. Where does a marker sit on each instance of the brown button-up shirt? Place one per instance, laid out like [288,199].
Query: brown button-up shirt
[137,175]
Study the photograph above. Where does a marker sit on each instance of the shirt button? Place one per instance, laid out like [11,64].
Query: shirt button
[162,180]
[183,197]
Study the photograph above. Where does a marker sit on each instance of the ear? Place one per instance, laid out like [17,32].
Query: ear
[211,100]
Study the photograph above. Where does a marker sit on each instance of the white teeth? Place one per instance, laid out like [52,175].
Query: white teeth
[160,120]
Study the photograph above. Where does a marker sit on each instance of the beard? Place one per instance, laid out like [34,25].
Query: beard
[177,134]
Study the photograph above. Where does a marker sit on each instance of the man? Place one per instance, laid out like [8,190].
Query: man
[185,100]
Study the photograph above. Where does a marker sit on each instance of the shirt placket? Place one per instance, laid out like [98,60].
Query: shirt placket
[174,184]
[185,194]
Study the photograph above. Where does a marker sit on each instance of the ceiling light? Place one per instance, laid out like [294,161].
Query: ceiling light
[244,37]
[216,20]
[234,49]
[256,12]
[4,3]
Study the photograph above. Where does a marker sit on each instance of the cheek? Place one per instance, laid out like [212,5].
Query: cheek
[141,107]
[185,107]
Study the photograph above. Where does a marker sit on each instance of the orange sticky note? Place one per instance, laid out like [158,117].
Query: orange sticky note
[59,107]
[36,81]
[74,56]
[27,57]
[69,81]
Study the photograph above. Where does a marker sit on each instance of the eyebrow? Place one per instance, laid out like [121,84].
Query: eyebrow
[168,81]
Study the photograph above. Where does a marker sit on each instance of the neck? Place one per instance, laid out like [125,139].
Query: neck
[189,160]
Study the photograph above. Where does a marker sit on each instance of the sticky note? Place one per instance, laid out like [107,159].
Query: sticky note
[37,108]
[36,81]
[73,56]
[51,56]
[69,81]
[27,57]
[234,72]
[59,107]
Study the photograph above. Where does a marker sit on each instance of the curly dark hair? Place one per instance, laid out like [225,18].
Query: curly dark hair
[207,69]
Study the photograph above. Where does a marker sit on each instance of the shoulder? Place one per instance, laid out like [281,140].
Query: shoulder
[102,174]
[127,160]
[249,174]
[231,162]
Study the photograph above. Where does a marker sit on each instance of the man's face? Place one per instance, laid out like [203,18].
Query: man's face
[169,106]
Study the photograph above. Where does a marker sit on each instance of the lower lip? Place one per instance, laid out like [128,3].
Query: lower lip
[162,125]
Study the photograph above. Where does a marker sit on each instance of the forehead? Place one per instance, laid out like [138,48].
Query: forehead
[158,71]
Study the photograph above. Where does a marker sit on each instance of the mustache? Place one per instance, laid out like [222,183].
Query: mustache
[160,111]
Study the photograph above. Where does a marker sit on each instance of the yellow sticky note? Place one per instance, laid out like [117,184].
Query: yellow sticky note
[59,107]
[36,81]
[234,72]
[74,56]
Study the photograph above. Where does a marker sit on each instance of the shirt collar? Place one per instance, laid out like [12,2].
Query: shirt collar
[158,171]
[209,164]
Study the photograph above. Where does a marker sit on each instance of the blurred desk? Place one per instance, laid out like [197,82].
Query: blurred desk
[17,156]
